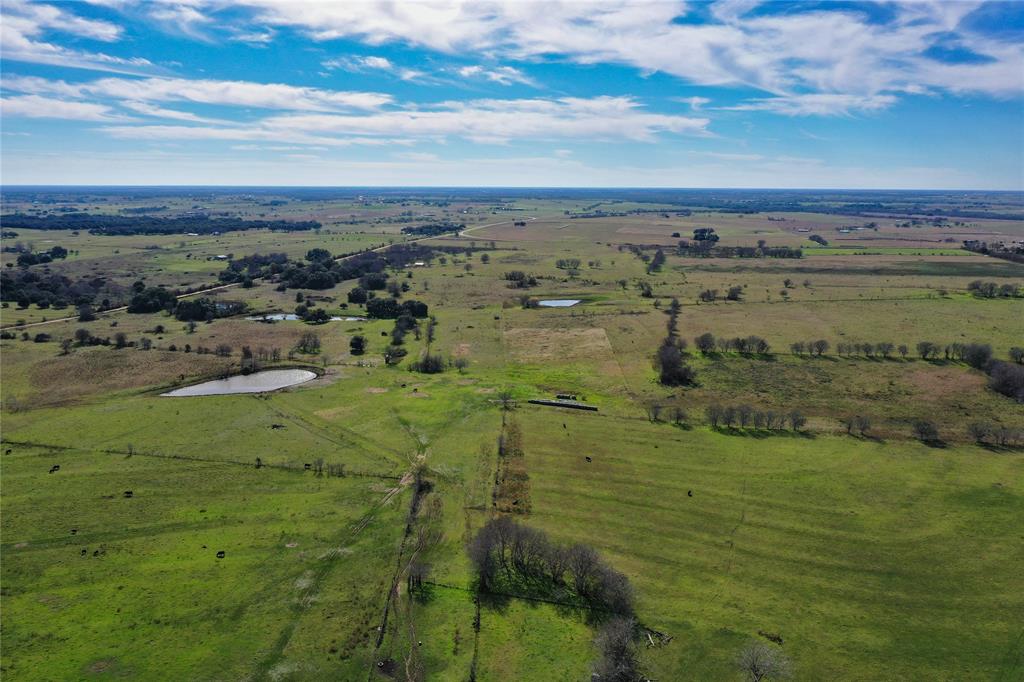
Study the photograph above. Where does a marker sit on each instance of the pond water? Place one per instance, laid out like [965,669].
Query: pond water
[559,303]
[278,317]
[259,382]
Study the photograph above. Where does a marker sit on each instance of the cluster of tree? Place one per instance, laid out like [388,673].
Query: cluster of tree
[819,347]
[670,360]
[140,210]
[818,239]
[429,363]
[511,558]
[433,229]
[390,309]
[312,315]
[745,415]
[750,345]
[705,234]
[570,264]
[151,299]
[1007,379]
[882,349]
[977,355]
[126,225]
[925,431]
[29,258]
[517,279]
[1010,252]
[656,262]
[357,344]
[308,343]
[206,309]
[707,249]
[735,293]
[27,287]
[995,434]
[857,425]
[983,289]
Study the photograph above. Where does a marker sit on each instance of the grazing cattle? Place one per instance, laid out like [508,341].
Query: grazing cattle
[689,493]
[589,460]
[55,467]
[221,554]
[128,493]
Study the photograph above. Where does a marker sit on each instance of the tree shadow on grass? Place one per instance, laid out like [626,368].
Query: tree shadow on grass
[760,434]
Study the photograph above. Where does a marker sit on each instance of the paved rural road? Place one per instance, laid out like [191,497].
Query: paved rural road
[463,233]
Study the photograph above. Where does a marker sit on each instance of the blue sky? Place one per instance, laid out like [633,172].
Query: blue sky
[733,93]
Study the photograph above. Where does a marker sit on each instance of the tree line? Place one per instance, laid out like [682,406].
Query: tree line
[745,415]
[509,558]
[670,359]
[144,224]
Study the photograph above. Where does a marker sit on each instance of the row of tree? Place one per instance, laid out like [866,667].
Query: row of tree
[993,289]
[747,345]
[745,415]
[145,224]
[670,358]
[512,558]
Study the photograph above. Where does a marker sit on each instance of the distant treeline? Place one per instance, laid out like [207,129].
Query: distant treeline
[146,224]
[322,270]
[434,229]
[706,249]
[1014,253]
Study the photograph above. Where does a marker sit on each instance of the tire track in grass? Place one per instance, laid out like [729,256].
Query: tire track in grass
[276,654]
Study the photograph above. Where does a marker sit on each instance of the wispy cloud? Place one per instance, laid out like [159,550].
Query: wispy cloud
[486,121]
[205,91]
[817,104]
[373,63]
[503,75]
[815,49]
[34,106]
[23,24]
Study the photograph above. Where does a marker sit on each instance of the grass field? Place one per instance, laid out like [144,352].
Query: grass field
[876,557]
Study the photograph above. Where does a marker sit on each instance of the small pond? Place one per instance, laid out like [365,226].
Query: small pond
[278,317]
[558,302]
[259,382]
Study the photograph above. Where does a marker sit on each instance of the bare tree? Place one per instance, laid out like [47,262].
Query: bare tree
[616,642]
[758,661]
[925,431]
[714,415]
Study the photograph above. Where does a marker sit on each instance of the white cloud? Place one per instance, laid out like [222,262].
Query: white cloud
[182,17]
[159,112]
[32,18]
[488,121]
[373,63]
[817,104]
[34,106]
[503,75]
[828,51]
[23,24]
[696,103]
[249,133]
[495,120]
[217,92]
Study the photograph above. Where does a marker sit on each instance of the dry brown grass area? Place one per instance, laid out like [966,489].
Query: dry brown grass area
[96,371]
[533,345]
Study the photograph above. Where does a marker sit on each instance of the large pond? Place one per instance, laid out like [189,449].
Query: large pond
[258,382]
[558,302]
